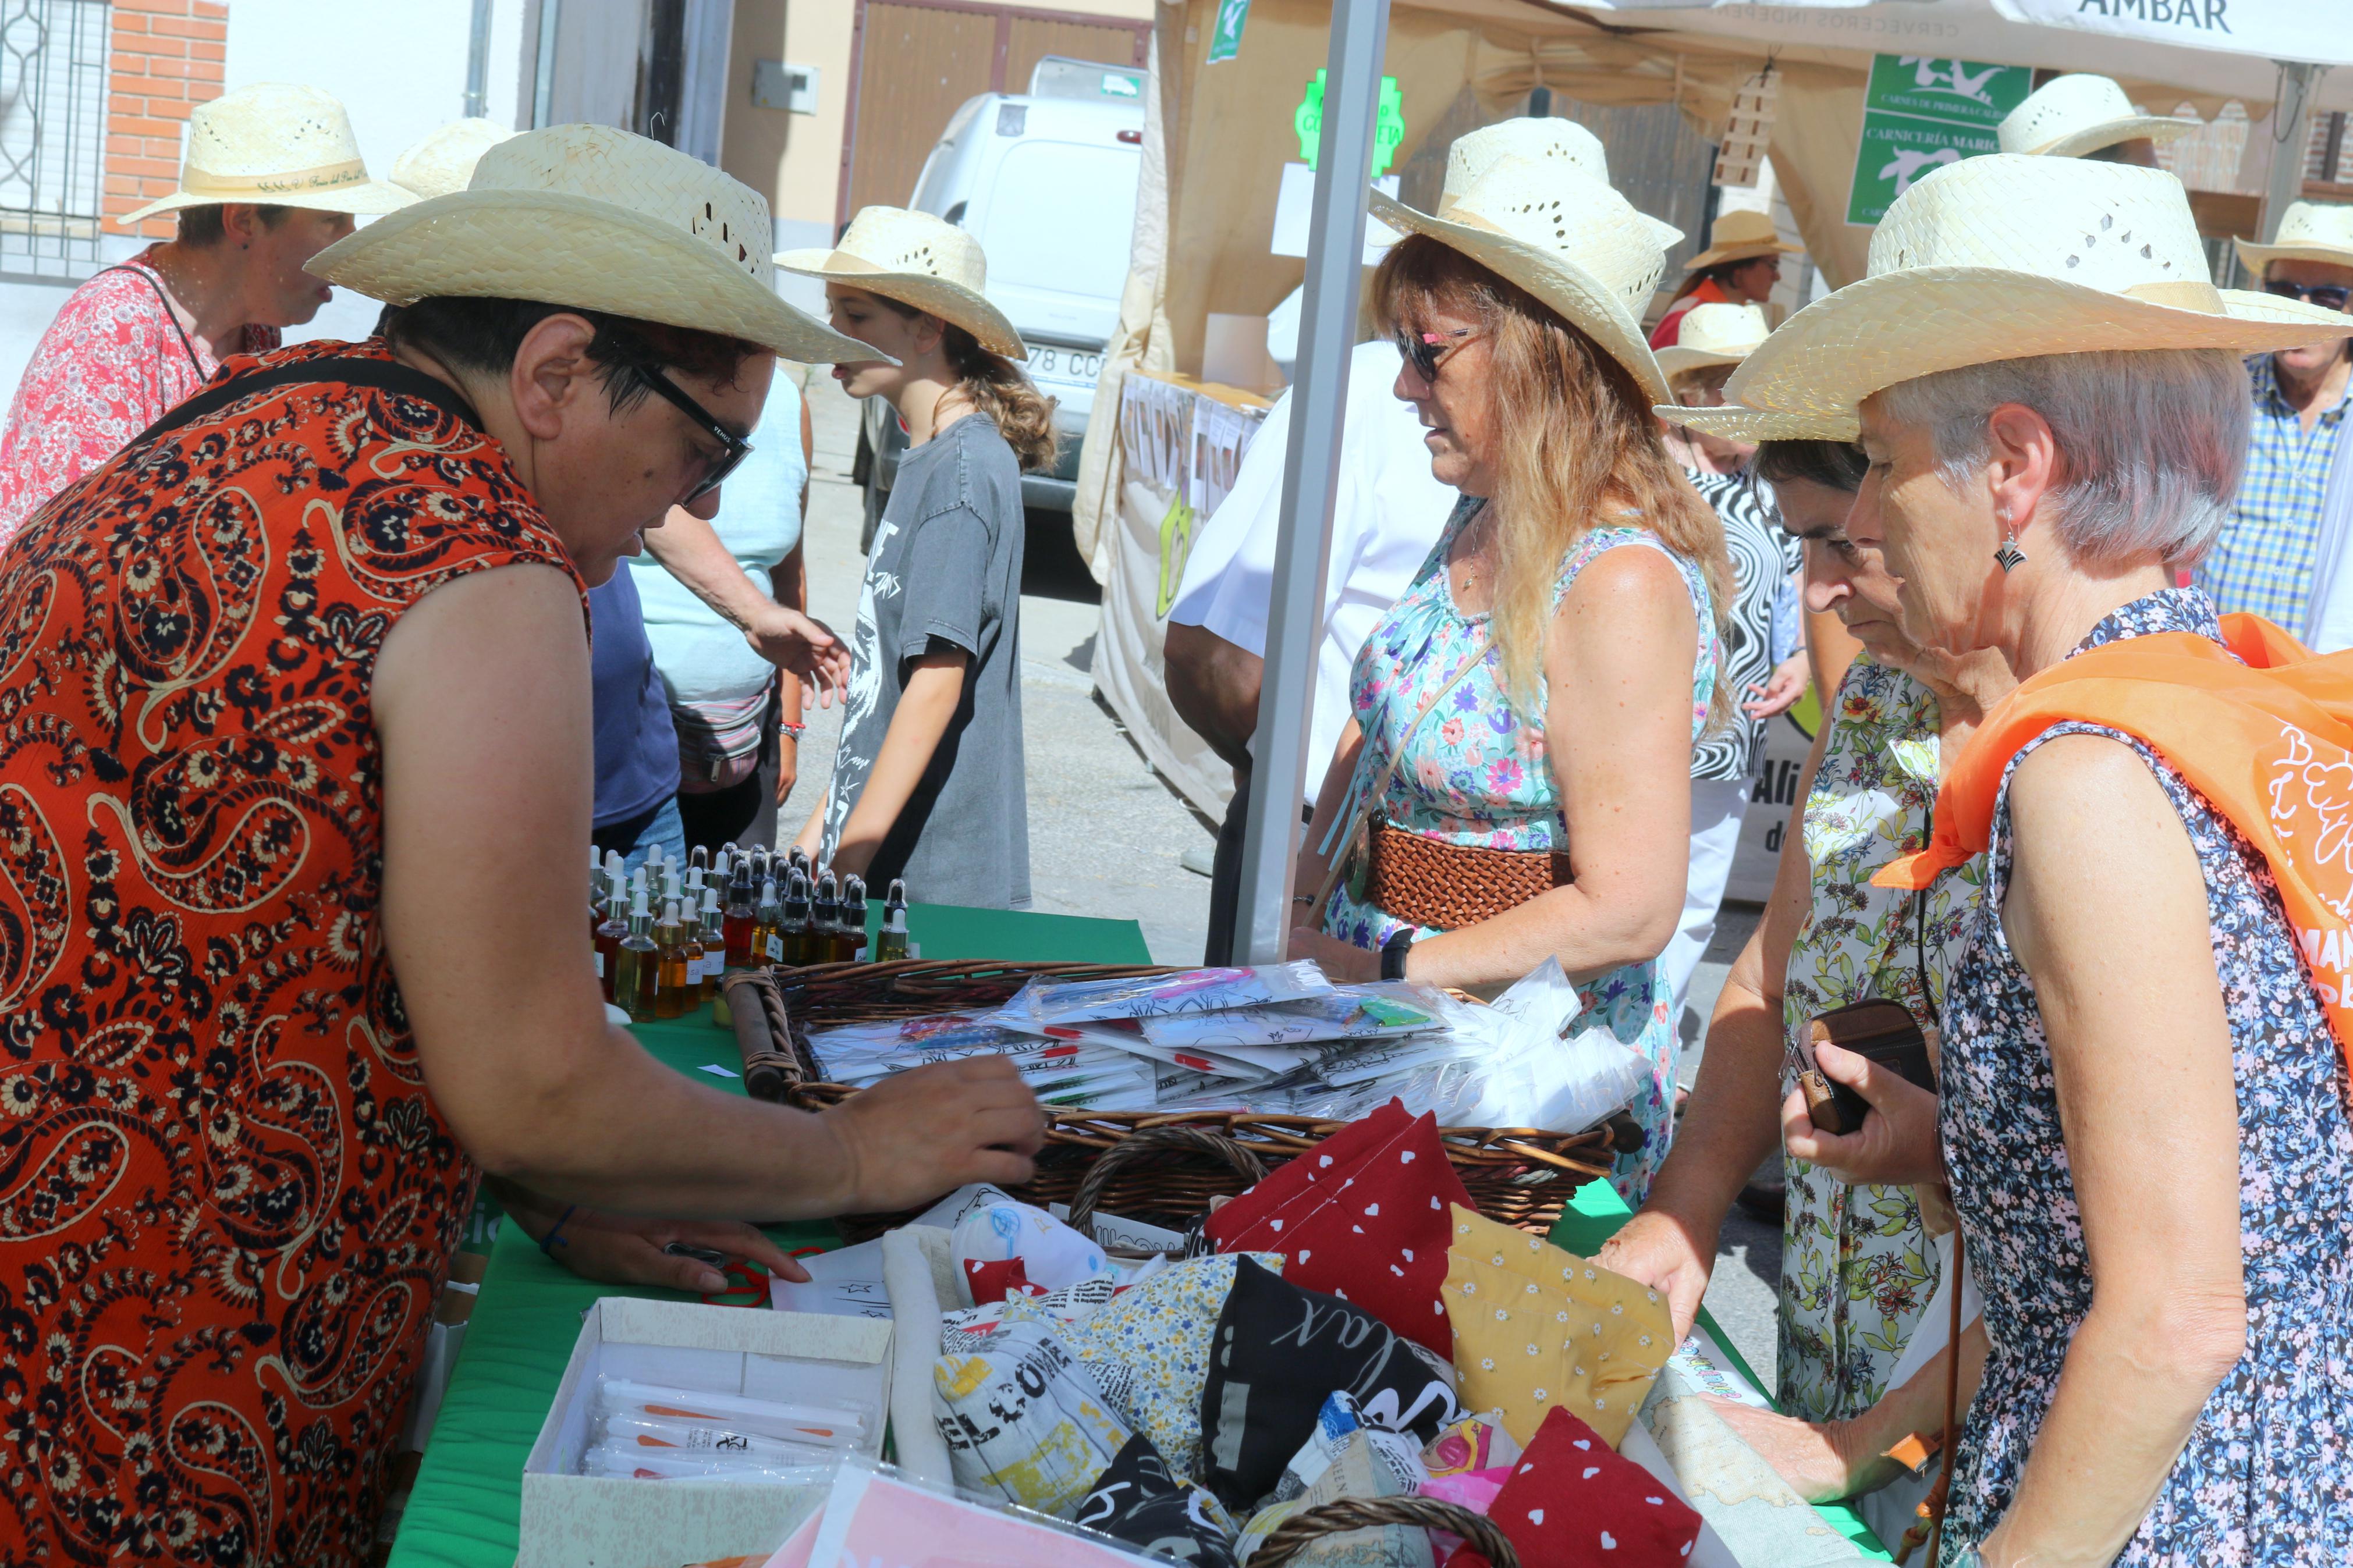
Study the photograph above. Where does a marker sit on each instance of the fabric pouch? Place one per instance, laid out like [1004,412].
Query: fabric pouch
[1537,1328]
[1571,1503]
[1356,1471]
[1279,1352]
[719,741]
[1363,1218]
[1138,1502]
[1023,1420]
[1148,1346]
[1474,1443]
[1335,1424]
[1050,1253]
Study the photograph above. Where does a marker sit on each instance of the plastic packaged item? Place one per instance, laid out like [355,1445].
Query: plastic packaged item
[714,1438]
[831,1426]
[1155,996]
[1373,1011]
[623,1462]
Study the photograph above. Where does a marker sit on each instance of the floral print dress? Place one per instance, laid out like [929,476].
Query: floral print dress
[1477,774]
[1857,1268]
[2265,1477]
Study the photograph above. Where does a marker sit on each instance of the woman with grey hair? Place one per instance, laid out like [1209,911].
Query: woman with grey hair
[2143,1118]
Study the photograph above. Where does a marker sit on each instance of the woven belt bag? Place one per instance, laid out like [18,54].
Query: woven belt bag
[1429,882]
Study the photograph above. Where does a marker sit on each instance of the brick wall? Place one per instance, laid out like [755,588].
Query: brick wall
[165,56]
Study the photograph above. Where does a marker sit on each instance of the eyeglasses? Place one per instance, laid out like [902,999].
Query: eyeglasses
[735,447]
[2327,296]
[1424,350]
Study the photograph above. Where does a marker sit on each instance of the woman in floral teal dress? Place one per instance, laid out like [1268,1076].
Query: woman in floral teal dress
[1539,687]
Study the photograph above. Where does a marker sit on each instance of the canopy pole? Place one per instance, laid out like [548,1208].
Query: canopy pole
[1336,246]
[2291,142]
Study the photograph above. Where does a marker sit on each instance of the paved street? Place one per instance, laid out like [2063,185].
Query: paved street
[1106,835]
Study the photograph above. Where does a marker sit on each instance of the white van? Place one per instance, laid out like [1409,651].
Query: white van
[1046,182]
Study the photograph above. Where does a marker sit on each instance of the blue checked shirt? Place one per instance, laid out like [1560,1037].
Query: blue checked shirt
[2264,562]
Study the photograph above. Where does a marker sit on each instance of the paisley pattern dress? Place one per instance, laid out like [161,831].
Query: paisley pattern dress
[1856,1266]
[2265,1477]
[227,1202]
[1476,773]
[111,365]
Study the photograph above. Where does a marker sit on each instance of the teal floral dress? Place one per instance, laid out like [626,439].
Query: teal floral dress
[1857,1267]
[1474,774]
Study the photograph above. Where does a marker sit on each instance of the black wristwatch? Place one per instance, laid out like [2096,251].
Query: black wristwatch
[1393,953]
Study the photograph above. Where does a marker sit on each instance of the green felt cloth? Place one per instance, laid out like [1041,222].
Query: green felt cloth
[463,1511]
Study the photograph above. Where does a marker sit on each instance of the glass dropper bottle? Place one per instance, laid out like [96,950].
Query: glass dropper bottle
[850,933]
[890,943]
[670,949]
[636,977]
[742,916]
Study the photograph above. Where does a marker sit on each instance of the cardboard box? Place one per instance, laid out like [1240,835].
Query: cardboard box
[572,1521]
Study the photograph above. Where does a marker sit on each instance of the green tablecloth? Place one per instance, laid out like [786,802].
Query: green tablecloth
[462,1513]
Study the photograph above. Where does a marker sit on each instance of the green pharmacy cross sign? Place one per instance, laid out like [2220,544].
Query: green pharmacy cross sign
[1920,113]
[1388,124]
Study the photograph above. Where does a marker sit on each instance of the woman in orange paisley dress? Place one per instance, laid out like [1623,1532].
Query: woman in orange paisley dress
[294,776]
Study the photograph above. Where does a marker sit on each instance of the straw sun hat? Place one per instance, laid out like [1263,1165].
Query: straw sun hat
[1569,239]
[1741,235]
[1717,333]
[1534,138]
[276,146]
[2308,231]
[599,219]
[2070,116]
[444,160]
[918,260]
[2002,258]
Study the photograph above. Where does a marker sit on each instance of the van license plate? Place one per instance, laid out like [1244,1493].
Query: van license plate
[1050,366]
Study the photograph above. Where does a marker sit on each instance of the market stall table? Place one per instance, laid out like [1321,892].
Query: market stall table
[463,1510]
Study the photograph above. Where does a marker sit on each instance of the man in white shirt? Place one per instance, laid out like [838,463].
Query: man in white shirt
[1386,514]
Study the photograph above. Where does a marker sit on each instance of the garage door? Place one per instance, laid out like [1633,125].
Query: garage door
[917,60]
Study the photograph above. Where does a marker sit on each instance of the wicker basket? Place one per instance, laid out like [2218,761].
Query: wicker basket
[1519,1176]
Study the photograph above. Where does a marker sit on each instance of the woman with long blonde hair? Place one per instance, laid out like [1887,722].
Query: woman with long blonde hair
[1516,785]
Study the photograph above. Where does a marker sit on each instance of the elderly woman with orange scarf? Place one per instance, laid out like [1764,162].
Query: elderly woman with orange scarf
[2143,1107]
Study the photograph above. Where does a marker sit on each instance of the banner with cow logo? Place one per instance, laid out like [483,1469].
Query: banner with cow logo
[1920,113]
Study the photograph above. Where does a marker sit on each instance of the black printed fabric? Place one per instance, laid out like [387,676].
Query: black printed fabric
[1280,1351]
[1137,1500]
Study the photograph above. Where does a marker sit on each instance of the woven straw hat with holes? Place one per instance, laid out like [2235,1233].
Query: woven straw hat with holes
[1569,239]
[919,261]
[1534,138]
[599,219]
[444,160]
[1716,333]
[2308,231]
[1741,235]
[2070,116]
[2003,257]
[275,146]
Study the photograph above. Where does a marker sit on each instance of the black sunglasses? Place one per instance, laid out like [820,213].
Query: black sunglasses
[1424,350]
[735,450]
[2327,296]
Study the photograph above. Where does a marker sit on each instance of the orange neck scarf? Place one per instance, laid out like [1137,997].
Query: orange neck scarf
[2266,736]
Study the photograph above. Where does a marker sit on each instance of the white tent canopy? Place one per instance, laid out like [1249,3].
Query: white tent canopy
[2211,50]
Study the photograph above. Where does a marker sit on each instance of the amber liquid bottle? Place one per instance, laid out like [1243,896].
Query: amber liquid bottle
[715,948]
[637,976]
[767,942]
[849,932]
[608,943]
[824,918]
[740,918]
[669,953]
[794,929]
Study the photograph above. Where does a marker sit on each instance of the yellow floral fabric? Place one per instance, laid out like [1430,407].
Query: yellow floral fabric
[1536,1328]
[1856,1266]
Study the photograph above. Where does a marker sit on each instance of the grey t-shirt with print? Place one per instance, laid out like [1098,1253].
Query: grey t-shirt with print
[945,572]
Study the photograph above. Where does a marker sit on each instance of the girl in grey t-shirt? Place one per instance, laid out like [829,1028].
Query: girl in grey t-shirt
[928,780]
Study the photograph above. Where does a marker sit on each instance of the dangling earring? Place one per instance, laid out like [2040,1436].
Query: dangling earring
[2008,555]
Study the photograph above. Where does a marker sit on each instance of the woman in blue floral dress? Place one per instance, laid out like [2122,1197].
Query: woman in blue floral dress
[1579,603]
